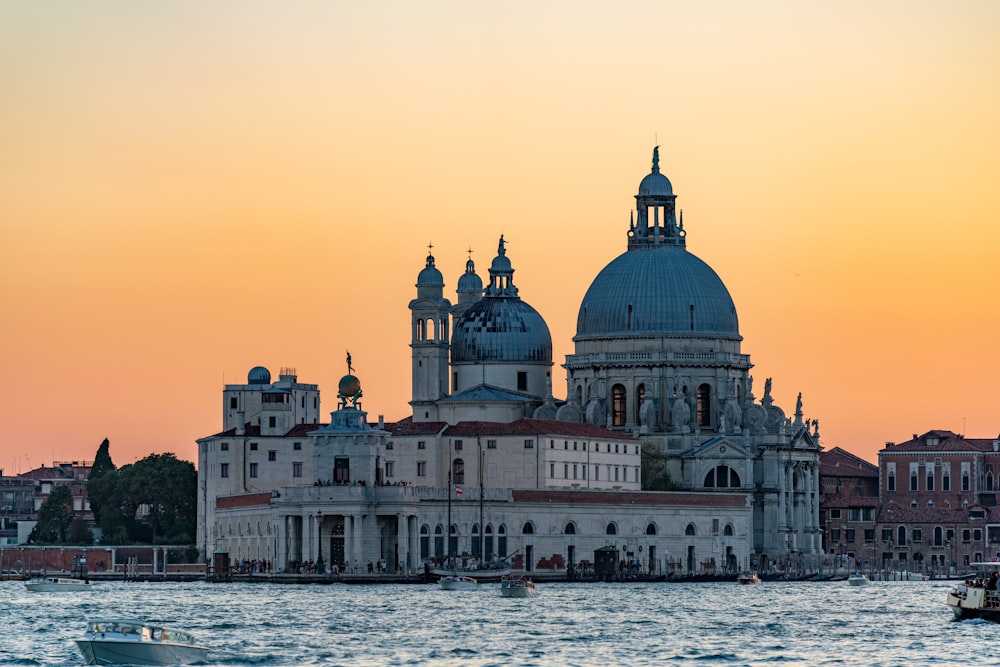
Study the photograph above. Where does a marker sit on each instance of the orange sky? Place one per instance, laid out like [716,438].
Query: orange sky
[190,190]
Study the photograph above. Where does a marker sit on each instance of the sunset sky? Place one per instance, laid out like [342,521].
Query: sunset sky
[190,189]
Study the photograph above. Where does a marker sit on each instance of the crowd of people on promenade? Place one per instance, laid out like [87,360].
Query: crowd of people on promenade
[361,482]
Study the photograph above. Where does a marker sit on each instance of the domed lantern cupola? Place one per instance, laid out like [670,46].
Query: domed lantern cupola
[656,221]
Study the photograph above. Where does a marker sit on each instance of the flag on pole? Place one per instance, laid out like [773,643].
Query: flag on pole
[458,490]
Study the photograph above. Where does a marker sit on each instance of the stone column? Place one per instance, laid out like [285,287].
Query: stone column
[782,476]
[348,542]
[413,559]
[403,537]
[358,546]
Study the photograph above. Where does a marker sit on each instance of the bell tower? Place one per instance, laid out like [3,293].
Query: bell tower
[429,342]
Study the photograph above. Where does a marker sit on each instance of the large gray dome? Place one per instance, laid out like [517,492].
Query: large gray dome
[501,330]
[657,290]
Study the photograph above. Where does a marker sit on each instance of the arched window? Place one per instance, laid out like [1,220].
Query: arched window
[722,477]
[690,529]
[989,481]
[938,536]
[488,546]
[570,529]
[901,536]
[728,530]
[458,471]
[640,396]
[502,541]
[452,539]
[612,529]
[651,529]
[439,541]
[476,543]
[528,529]
[619,404]
[704,405]
[425,542]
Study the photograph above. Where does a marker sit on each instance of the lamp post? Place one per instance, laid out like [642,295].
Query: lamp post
[320,565]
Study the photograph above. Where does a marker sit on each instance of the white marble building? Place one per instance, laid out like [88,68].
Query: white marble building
[657,365]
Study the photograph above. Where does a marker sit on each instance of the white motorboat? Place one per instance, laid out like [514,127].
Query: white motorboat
[748,578]
[458,583]
[516,586]
[857,579]
[56,584]
[118,642]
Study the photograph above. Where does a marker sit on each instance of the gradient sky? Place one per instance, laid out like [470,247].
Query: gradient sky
[189,189]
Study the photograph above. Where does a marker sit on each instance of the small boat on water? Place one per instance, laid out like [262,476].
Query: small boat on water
[119,642]
[458,583]
[857,579]
[56,584]
[11,575]
[748,578]
[516,586]
[979,597]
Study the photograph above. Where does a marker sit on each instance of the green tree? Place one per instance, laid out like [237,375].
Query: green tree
[54,518]
[168,488]
[105,499]
[655,475]
[79,533]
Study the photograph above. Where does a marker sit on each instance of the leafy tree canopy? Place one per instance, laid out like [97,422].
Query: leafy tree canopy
[54,518]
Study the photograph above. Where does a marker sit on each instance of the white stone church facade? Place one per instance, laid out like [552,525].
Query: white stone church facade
[491,464]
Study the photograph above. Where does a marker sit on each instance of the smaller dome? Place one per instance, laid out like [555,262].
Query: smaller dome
[501,264]
[656,185]
[430,276]
[259,375]
[469,281]
[349,386]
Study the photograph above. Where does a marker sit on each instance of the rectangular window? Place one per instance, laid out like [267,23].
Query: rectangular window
[849,534]
[297,446]
[891,483]
[930,481]
[223,470]
[272,455]
[296,470]
[389,467]
[835,534]
[946,482]
[566,445]
[491,444]
[421,468]
[552,471]
[388,445]
[454,382]
[574,445]
[421,444]
[597,473]
[616,473]
[458,445]
[253,471]
[224,446]
[616,448]
[966,535]
[529,444]
[917,535]
[977,535]
[886,534]
[552,444]
[835,514]
[522,381]
[913,482]
[574,471]
[869,534]
[272,421]
[253,446]
[565,471]
[965,482]
[233,402]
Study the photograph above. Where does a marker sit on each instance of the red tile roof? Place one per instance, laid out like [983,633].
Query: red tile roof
[839,462]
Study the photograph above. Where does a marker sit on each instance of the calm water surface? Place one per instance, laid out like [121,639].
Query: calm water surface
[827,623]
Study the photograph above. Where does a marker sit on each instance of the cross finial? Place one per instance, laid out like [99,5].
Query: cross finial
[430,246]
